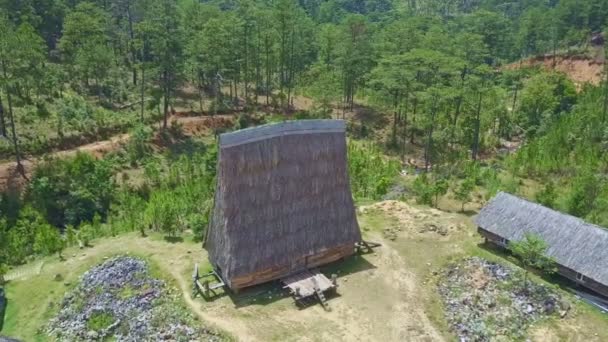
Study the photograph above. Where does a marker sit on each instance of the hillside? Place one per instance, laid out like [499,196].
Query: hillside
[580,69]
[110,166]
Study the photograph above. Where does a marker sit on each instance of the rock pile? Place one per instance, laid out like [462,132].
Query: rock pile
[120,299]
[485,301]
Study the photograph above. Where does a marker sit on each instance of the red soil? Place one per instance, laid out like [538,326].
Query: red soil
[580,69]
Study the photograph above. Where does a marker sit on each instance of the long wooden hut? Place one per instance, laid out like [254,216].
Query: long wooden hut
[579,248]
[283,202]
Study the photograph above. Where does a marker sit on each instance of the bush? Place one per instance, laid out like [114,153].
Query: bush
[138,146]
[423,189]
[48,240]
[162,214]
[371,173]
[70,191]
[99,321]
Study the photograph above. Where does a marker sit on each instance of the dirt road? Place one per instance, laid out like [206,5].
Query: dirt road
[10,178]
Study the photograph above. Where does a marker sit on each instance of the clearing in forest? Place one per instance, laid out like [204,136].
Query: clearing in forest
[389,295]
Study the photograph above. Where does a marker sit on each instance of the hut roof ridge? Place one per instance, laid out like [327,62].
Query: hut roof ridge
[271,130]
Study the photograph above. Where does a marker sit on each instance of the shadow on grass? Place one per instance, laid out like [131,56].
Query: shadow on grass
[173,239]
[467,212]
[273,291]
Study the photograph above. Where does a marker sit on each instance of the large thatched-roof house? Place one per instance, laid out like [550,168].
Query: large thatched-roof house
[579,248]
[283,202]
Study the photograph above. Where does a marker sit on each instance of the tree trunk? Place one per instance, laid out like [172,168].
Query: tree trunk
[458,107]
[246,72]
[405,125]
[267,46]
[201,92]
[2,120]
[132,38]
[605,108]
[428,151]
[412,137]
[394,138]
[514,102]
[475,149]
[166,99]
[11,118]
[143,89]
[290,71]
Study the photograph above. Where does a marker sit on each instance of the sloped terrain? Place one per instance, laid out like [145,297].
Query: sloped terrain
[392,294]
[580,69]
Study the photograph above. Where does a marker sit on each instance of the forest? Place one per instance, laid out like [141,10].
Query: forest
[424,85]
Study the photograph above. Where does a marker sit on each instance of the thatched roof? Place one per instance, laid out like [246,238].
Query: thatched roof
[282,194]
[574,243]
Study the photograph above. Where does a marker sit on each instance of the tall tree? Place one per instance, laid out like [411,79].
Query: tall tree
[531,252]
[355,55]
[84,44]
[20,52]
[166,43]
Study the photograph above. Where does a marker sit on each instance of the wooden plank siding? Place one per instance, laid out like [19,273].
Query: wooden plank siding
[280,271]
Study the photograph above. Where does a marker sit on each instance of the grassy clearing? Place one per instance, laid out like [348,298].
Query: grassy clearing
[388,295]
[426,254]
[33,301]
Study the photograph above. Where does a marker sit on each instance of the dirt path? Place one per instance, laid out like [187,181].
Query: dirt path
[10,178]
[236,329]
[379,298]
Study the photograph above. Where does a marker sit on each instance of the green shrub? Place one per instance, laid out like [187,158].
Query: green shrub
[99,321]
[371,173]
[423,189]
[139,144]
[69,191]
[48,240]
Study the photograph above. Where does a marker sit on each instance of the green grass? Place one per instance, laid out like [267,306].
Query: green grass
[33,302]
[126,292]
[99,321]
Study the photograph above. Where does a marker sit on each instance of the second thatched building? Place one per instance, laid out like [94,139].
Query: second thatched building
[579,248]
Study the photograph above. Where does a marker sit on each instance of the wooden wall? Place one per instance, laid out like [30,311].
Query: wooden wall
[280,271]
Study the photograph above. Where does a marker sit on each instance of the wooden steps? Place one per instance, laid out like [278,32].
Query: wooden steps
[308,284]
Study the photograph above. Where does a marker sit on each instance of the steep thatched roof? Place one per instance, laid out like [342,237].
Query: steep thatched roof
[282,194]
[574,243]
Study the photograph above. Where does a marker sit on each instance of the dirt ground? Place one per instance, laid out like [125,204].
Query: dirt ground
[579,69]
[379,297]
[10,178]
[387,295]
